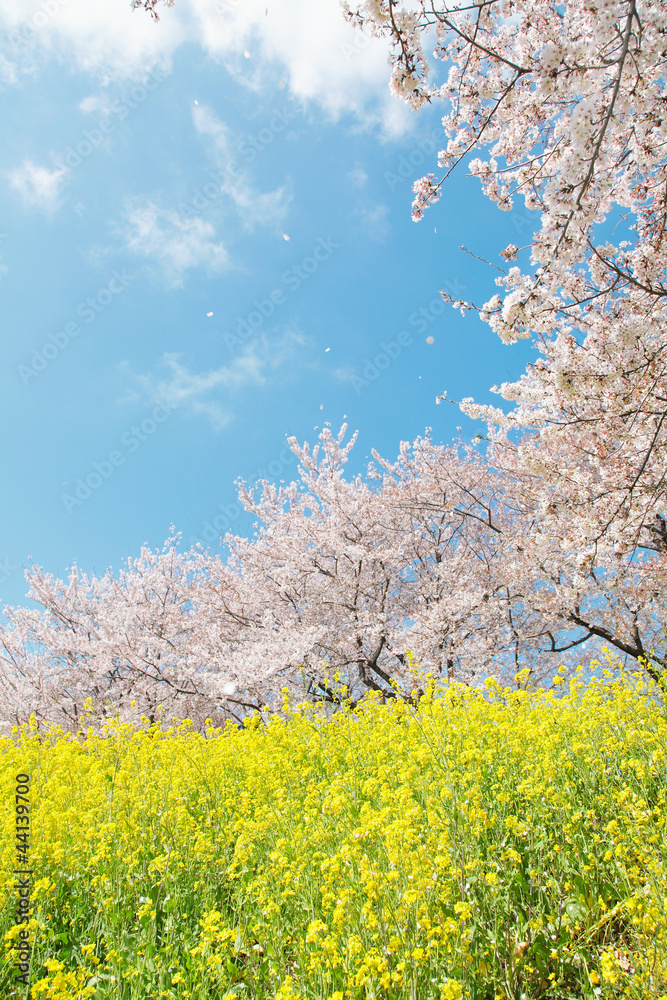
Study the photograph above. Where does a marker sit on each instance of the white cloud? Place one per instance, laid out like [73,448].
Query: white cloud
[324,58]
[373,219]
[358,176]
[267,208]
[105,37]
[7,70]
[320,56]
[189,391]
[38,186]
[95,102]
[207,123]
[282,349]
[197,393]
[344,374]
[175,244]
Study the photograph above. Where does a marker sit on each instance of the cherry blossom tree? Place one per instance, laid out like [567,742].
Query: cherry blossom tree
[538,598]
[435,553]
[117,643]
[357,563]
[321,601]
[569,101]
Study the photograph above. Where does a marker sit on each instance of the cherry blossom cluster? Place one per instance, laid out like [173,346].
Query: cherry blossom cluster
[436,553]
[568,101]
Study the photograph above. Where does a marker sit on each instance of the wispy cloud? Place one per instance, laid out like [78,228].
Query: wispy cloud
[320,57]
[207,123]
[104,37]
[344,374]
[324,59]
[100,103]
[374,221]
[357,176]
[38,186]
[174,243]
[254,207]
[7,71]
[198,393]
[285,349]
[372,216]
[191,391]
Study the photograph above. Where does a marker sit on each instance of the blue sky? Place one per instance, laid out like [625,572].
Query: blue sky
[205,245]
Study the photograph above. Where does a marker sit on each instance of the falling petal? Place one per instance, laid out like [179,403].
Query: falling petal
[326,349]
[430,340]
[209,314]
[286,237]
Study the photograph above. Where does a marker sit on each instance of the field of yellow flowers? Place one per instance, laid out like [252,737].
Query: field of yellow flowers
[487,844]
